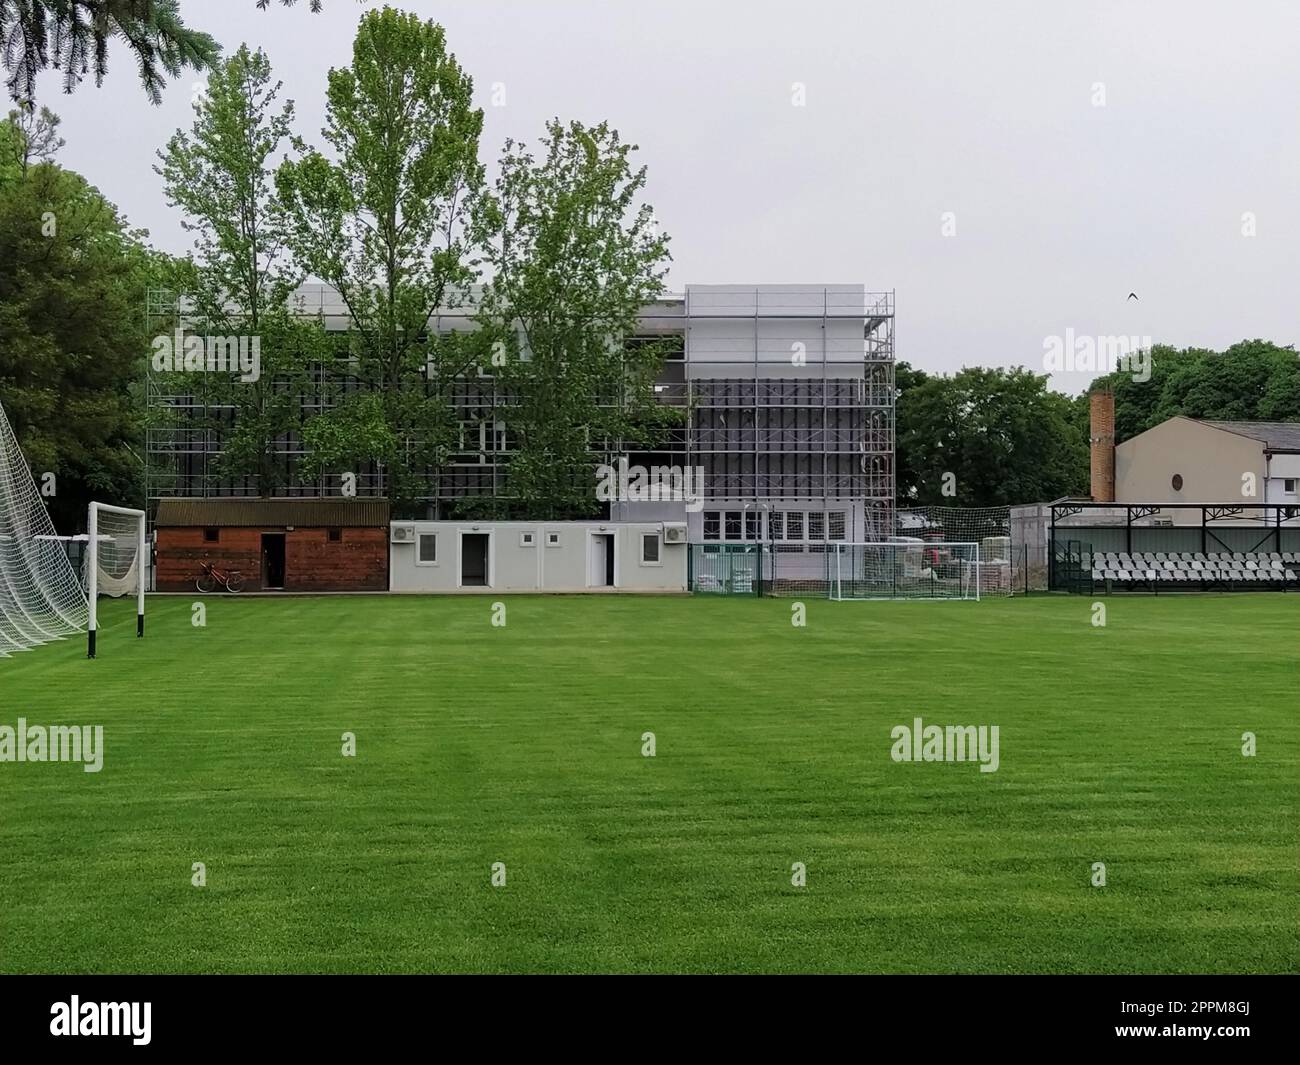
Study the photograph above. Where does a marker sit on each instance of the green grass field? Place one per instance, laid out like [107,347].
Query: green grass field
[523,745]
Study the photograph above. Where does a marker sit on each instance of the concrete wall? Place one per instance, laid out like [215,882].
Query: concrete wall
[514,566]
[1210,461]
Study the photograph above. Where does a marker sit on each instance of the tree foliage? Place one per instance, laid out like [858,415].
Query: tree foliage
[1003,435]
[219,173]
[35,136]
[72,337]
[1253,380]
[384,220]
[1006,438]
[574,256]
[73,36]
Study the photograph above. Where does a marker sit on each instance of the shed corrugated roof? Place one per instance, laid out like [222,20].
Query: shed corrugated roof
[1277,436]
[308,513]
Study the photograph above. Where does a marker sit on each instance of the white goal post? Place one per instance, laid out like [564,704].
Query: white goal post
[904,568]
[117,553]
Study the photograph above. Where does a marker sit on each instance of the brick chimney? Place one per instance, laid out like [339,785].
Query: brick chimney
[1101,405]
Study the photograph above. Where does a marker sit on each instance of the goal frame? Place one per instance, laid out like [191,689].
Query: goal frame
[971,562]
[92,568]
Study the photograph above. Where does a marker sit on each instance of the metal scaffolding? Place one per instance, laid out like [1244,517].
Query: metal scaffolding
[762,434]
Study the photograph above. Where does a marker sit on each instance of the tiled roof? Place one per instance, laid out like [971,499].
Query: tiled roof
[1277,436]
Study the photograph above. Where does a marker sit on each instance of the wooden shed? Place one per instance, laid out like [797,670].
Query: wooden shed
[291,545]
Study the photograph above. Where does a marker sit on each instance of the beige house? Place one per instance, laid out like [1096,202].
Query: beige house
[1187,460]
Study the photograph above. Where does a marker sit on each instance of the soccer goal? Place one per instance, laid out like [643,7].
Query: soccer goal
[904,569]
[40,597]
[115,562]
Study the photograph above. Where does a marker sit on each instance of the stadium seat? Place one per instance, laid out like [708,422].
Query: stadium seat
[1149,570]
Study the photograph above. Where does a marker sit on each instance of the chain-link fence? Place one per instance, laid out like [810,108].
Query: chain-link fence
[916,570]
[1010,562]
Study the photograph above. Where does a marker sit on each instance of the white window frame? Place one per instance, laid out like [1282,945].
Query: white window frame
[527,539]
[820,516]
[419,536]
[803,526]
[556,542]
[659,548]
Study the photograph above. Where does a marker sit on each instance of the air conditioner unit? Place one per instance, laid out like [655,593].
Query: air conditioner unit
[674,532]
[402,534]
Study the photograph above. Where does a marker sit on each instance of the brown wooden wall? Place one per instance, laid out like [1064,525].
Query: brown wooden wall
[311,563]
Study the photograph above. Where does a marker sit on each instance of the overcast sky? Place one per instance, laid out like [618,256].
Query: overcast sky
[986,110]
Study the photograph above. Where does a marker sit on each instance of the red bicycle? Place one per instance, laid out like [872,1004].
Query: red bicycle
[214,577]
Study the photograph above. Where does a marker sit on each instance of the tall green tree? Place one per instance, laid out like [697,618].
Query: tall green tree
[73,279]
[74,36]
[36,136]
[219,173]
[907,378]
[1253,380]
[384,220]
[987,437]
[574,255]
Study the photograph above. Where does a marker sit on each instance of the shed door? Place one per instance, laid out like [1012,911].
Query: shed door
[273,560]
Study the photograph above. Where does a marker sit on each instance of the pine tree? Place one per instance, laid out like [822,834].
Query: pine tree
[73,36]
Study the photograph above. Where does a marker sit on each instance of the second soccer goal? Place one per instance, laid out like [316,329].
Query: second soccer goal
[114,565]
[904,569]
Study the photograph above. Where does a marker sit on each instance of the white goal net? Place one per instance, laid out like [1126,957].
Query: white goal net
[1002,565]
[115,560]
[905,569]
[40,597]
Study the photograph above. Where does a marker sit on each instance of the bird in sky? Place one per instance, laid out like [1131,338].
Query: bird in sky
[1132,296]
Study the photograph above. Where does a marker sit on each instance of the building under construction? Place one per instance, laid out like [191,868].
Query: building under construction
[788,389]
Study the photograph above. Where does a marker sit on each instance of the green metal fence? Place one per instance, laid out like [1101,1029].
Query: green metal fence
[725,569]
